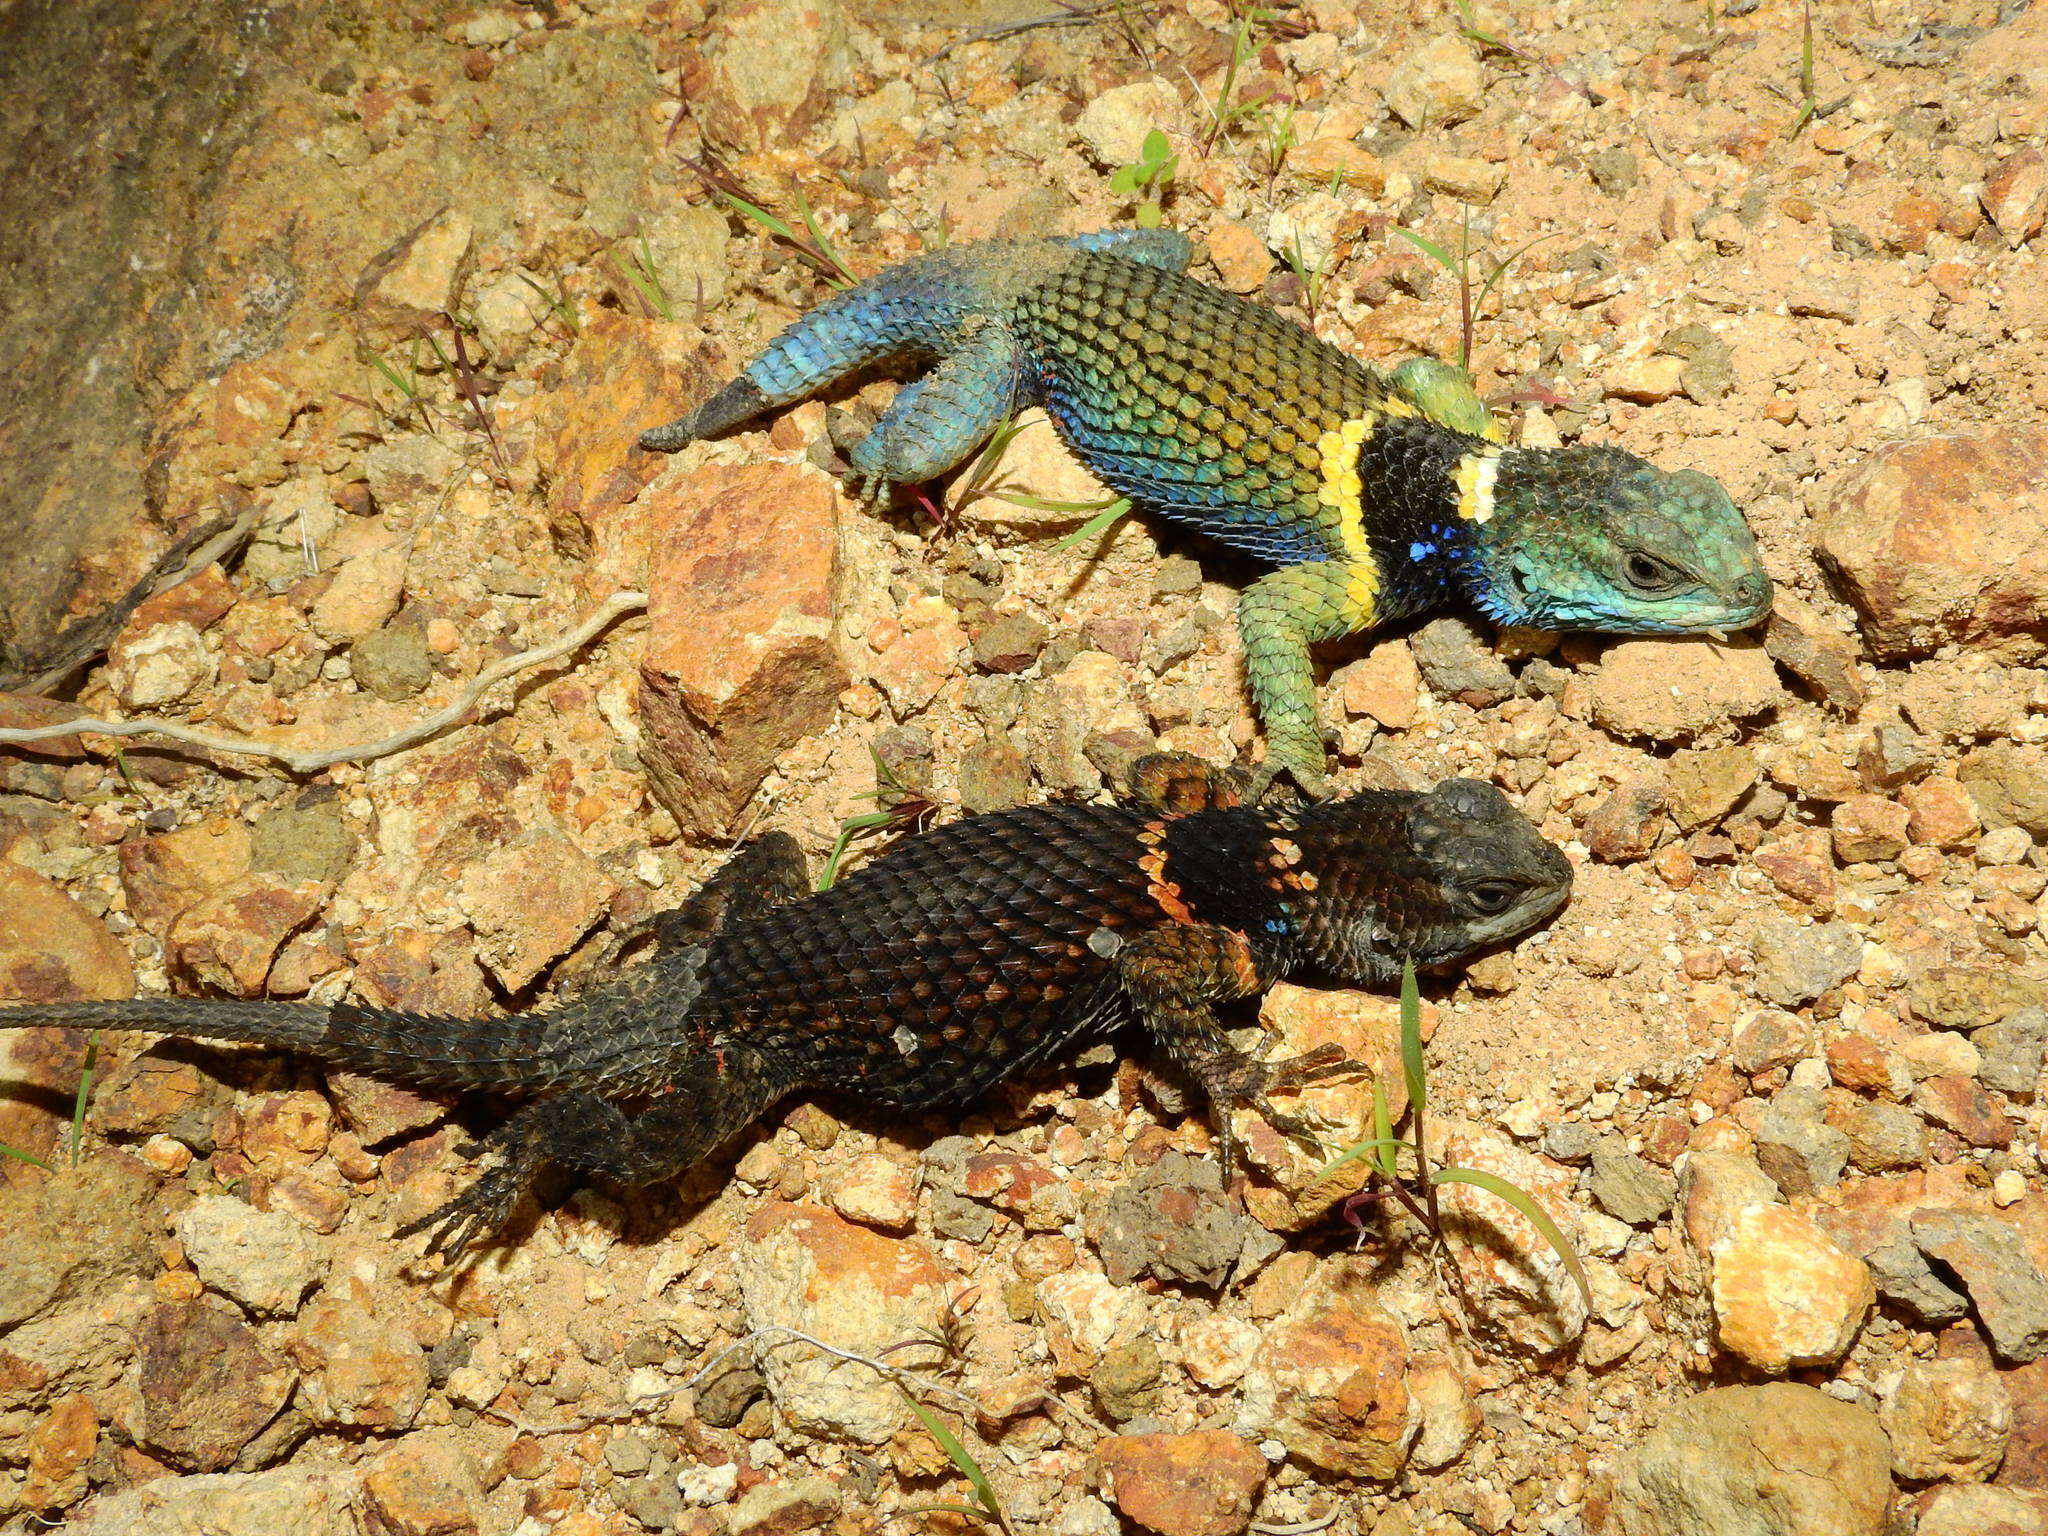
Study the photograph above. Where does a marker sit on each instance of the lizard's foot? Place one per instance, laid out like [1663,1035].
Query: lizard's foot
[484,1207]
[1180,783]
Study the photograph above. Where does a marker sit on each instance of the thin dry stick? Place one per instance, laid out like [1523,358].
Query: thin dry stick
[313,762]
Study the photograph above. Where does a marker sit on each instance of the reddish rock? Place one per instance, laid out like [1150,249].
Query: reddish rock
[622,376]
[165,874]
[2015,196]
[58,1449]
[1948,1419]
[1975,1510]
[1023,1186]
[2026,1451]
[1945,540]
[51,949]
[1940,813]
[530,902]
[1200,1484]
[225,942]
[1960,1104]
[1800,863]
[1329,1380]
[741,660]
[1671,690]
[207,1385]
[1625,826]
[1385,684]
[2008,782]
[1869,828]
[78,1235]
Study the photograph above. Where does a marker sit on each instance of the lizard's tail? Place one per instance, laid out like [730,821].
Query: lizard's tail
[597,1041]
[912,309]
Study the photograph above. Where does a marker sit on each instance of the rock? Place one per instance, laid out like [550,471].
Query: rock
[79,1234]
[992,774]
[2008,781]
[2012,1053]
[1716,1188]
[1906,1280]
[741,661]
[785,1509]
[804,1267]
[1940,813]
[1795,1146]
[1437,84]
[1200,1484]
[1450,1418]
[1086,1317]
[206,1385]
[1626,825]
[1383,684]
[530,902]
[1671,690]
[1883,1137]
[165,874]
[1869,829]
[1892,757]
[2026,1453]
[423,1486]
[1630,1189]
[393,663]
[161,666]
[1814,651]
[262,1259]
[1775,1460]
[772,69]
[58,1449]
[411,472]
[878,1191]
[364,1369]
[1945,541]
[1010,644]
[412,283]
[1614,171]
[1113,126]
[1947,1419]
[1091,696]
[1773,1038]
[52,950]
[1990,1259]
[307,840]
[1960,1104]
[225,941]
[1216,1350]
[1240,257]
[1706,782]
[305,1501]
[2015,196]
[1126,1380]
[1981,1511]
[364,593]
[1329,1380]
[1458,664]
[1784,1294]
[1796,962]
[1510,1270]
[688,247]
[1466,177]
[1647,380]
[1170,1221]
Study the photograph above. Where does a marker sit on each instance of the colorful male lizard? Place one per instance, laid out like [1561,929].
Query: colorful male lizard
[1379,495]
[953,961]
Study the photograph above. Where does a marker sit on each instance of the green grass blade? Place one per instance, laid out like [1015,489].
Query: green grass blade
[849,829]
[984,1491]
[92,1056]
[1375,1147]
[1411,1043]
[1522,1201]
[1098,524]
[1048,504]
[1500,268]
[23,1157]
[1383,1131]
[1428,247]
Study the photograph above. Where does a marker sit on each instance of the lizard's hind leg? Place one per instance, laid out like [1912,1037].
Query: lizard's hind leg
[935,422]
[765,873]
[593,1135]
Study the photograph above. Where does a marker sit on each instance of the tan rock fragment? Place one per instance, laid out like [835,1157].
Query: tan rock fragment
[1784,1294]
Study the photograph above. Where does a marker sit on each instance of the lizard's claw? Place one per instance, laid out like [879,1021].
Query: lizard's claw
[482,1208]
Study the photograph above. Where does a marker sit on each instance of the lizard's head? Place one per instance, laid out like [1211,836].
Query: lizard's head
[1424,877]
[1595,538]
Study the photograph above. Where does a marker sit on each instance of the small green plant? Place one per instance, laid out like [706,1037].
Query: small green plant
[980,481]
[986,1506]
[558,305]
[1147,179]
[1311,276]
[23,1157]
[1383,1150]
[815,251]
[1460,267]
[900,807]
[637,268]
[405,378]
[1809,108]
[78,1103]
[1226,112]
[1473,33]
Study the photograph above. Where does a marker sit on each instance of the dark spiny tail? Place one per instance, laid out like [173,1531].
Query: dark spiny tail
[626,1037]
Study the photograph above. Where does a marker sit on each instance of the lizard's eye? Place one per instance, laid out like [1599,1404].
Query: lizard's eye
[1646,573]
[1490,898]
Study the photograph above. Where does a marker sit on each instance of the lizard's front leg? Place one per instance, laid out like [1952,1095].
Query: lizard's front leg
[1174,976]
[935,422]
[1279,616]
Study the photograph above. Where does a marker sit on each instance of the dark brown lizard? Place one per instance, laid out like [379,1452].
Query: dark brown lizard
[956,959]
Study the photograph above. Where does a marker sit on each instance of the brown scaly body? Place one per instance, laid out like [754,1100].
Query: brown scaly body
[952,962]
